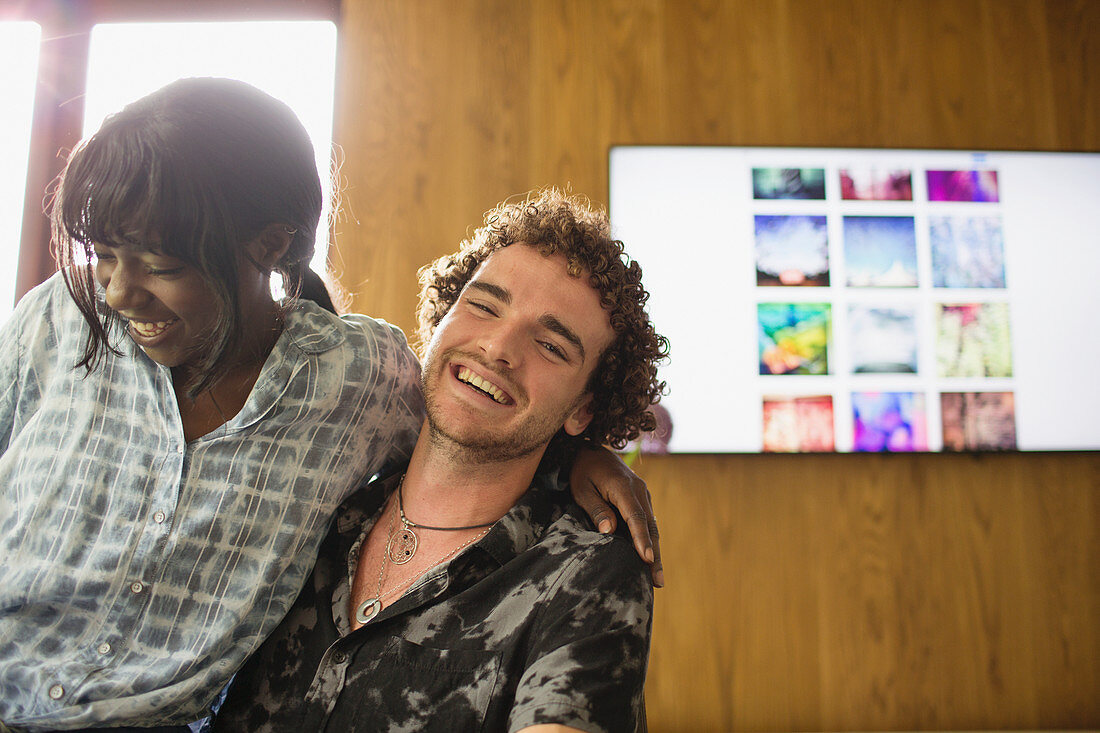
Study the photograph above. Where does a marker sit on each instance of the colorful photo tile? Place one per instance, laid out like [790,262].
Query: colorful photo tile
[889,421]
[794,337]
[880,251]
[973,340]
[792,250]
[978,420]
[979,185]
[883,340]
[967,252]
[798,424]
[874,184]
[788,183]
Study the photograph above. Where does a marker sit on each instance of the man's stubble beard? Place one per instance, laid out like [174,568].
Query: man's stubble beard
[530,437]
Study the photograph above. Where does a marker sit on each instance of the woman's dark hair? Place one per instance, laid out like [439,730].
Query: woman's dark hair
[193,170]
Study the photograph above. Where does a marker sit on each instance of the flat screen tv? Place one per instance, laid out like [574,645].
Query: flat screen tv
[825,299]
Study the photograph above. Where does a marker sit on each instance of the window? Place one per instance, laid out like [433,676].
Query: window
[294,61]
[19,42]
[68,65]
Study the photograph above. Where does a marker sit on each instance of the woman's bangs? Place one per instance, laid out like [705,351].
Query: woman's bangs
[112,198]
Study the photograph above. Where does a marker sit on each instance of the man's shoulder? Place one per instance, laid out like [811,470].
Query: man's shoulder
[590,634]
[574,526]
[583,551]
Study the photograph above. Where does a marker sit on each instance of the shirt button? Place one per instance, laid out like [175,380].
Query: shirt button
[158,516]
[57,692]
[179,449]
[339,658]
[136,587]
[104,648]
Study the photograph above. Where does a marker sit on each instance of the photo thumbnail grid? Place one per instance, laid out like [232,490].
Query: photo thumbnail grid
[896,279]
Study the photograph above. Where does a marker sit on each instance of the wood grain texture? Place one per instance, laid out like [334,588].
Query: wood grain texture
[876,592]
[805,592]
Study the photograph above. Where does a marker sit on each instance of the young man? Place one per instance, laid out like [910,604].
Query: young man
[469,594]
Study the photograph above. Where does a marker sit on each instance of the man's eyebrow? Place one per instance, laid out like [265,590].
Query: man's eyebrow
[551,323]
[496,291]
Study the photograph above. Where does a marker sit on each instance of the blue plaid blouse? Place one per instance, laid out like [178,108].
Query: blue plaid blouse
[138,571]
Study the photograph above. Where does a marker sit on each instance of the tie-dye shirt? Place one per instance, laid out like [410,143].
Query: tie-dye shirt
[543,620]
[139,571]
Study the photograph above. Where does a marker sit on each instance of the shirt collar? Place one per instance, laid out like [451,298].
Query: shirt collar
[525,523]
[520,528]
[308,330]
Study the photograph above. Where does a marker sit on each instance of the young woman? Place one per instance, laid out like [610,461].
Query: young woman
[174,440]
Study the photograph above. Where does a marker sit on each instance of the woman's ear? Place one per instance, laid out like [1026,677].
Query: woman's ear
[268,247]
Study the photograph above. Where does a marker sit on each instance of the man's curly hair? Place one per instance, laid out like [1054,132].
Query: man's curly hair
[624,383]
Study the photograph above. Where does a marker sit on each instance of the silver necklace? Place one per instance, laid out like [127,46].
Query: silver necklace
[402,546]
[371,607]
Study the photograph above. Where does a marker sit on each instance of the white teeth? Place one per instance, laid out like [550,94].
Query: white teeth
[467,376]
[148,330]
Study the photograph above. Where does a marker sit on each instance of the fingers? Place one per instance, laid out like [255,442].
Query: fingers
[643,528]
[597,478]
[657,569]
[638,523]
[603,514]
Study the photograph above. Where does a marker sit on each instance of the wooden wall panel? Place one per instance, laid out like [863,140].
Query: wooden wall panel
[805,592]
[877,592]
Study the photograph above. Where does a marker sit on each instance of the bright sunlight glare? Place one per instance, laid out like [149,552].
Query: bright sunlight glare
[294,61]
[19,59]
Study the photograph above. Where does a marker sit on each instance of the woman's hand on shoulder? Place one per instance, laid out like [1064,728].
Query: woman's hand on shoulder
[601,484]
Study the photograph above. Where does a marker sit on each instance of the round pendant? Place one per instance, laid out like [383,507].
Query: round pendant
[402,546]
[367,610]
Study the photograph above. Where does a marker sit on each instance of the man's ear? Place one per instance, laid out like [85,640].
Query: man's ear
[580,417]
[268,247]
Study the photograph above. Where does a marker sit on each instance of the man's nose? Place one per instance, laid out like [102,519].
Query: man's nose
[500,344]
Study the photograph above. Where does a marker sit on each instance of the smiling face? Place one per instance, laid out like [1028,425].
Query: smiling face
[508,365]
[170,309]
